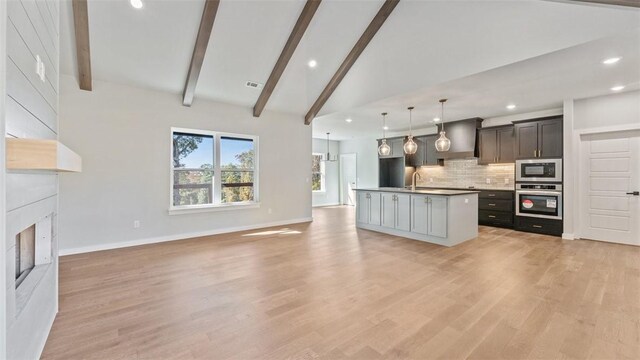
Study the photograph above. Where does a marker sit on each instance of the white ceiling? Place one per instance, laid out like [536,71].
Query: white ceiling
[535,84]
[422,44]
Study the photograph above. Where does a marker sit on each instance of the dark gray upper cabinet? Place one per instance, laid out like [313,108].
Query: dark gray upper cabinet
[550,138]
[541,138]
[488,146]
[426,154]
[506,144]
[396,145]
[431,155]
[496,145]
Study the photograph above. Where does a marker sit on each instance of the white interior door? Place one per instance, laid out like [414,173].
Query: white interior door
[610,166]
[348,179]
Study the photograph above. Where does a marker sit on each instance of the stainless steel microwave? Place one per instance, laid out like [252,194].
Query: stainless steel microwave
[538,170]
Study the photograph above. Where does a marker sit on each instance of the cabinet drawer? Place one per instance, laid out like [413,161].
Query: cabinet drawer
[503,195]
[495,204]
[498,217]
[540,226]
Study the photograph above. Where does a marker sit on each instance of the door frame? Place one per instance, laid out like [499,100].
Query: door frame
[340,171]
[582,138]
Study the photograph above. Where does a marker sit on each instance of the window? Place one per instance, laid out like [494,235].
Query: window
[317,172]
[210,169]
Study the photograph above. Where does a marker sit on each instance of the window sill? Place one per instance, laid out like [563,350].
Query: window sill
[214,208]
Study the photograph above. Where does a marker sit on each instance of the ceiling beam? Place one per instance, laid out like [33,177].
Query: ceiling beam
[83,51]
[358,48]
[289,48]
[204,33]
[631,3]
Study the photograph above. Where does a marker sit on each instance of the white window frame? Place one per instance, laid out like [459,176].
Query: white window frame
[323,173]
[217,205]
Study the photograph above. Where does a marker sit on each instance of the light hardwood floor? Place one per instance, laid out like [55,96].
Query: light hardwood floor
[326,290]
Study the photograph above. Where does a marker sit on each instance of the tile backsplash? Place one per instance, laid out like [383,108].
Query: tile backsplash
[463,173]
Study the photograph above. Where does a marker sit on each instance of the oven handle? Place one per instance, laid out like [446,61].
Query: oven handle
[527,192]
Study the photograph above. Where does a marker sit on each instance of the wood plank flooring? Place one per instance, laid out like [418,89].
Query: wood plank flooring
[326,290]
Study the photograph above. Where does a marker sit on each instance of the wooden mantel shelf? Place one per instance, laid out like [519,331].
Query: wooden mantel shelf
[40,154]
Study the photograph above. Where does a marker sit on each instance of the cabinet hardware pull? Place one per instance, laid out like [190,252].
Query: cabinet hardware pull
[534,153]
[491,195]
[492,204]
[492,216]
[537,226]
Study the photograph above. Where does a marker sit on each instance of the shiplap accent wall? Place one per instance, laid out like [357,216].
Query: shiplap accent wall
[31,112]
[3,243]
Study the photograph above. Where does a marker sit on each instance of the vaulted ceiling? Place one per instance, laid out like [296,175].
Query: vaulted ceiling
[421,45]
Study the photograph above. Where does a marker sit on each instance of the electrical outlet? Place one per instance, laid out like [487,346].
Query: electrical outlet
[488,181]
[136,224]
[430,179]
[269,211]
[506,181]
[466,201]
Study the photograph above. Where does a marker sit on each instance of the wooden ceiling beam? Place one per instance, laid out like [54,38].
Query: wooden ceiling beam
[630,3]
[199,50]
[348,62]
[287,52]
[83,50]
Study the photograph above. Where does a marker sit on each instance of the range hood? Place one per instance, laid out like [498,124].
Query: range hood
[464,139]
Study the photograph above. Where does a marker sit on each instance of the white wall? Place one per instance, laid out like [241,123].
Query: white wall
[366,150]
[3,245]
[123,135]
[332,174]
[594,115]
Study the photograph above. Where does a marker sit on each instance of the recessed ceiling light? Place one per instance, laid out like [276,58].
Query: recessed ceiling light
[312,63]
[385,128]
[617,88]
[136,4]
[436,119]
[348,120]
[612,60]
[511,106]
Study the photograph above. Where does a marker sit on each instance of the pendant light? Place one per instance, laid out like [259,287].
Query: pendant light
[384,149]
[443,144]
[410,147]
[328,153]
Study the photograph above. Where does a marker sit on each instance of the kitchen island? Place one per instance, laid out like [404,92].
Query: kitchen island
[439,216]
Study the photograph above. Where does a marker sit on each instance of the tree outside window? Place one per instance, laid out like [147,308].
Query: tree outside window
[317,172]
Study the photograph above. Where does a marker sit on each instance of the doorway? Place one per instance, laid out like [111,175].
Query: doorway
[610,186]
[348,178]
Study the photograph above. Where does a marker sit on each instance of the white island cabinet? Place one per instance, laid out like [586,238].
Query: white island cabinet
[444,217]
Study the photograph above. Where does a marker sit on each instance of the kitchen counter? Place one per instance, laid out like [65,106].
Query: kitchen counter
[439,216]
[464,188]
[426,191]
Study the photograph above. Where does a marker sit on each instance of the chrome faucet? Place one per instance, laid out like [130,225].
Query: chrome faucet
[413,180]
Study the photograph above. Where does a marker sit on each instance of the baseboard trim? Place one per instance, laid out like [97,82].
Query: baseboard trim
[568,236]
[174,237]
[323,205]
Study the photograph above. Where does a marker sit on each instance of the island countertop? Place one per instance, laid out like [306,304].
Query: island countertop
[443,192]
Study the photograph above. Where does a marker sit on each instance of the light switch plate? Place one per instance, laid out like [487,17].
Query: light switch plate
[488,181]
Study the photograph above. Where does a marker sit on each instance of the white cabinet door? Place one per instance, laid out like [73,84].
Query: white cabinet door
[438,206]
[388,210]
[374,208]
[403,212]
[362,207]
[419,214]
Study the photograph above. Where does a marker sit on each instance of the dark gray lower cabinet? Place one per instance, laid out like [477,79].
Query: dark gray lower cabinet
[539,225]
[496,208]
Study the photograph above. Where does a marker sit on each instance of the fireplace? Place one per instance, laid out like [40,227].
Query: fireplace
[25,253]
[32,249]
